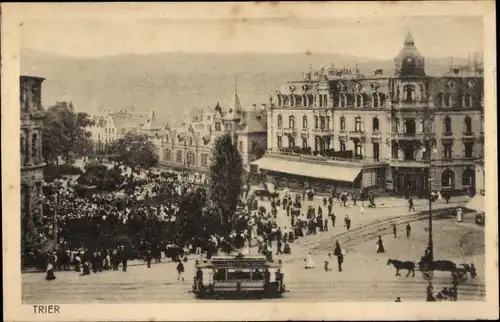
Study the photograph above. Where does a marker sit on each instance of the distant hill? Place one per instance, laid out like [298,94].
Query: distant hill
[174,83]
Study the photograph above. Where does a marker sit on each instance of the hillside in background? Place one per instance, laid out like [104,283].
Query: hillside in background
[174,83]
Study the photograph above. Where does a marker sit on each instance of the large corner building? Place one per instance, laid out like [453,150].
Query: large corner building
[343,128]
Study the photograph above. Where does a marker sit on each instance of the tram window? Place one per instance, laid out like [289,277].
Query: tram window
[238,274]
[257,274]
[220,275]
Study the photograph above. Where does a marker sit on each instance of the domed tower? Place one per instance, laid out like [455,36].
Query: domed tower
[409,62]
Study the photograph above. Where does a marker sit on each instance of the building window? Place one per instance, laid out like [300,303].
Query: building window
[280,142]
[280,121]
[396,125]
[375,124]
[342,146]
[179,157]
[358,124]
[375,99]
[468,177]
[291,142]
[342,123]
[190,158]
[322,122]
[292,100]
[316,122]
[395,150]
[217,126]
[409,92]
[468,124]
[304,122]
[342,100]
[291,121]
[204,160]
[167,155]
[358,149]
[304,143]
[447,179]
[447,100]
[34,148]
[241,146]
[254,147]
[358,100]
[447,125]
[409,126]
[467,100]
[469,149]
[190,141]
[376,151]
[447,151]
[327,122]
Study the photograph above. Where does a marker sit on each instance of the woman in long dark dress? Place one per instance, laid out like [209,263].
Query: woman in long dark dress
[50,272]
[380,245]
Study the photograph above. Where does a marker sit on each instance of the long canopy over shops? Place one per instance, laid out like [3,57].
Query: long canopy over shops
[313,170]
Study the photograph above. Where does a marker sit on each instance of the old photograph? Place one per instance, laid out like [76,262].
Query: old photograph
[252,159]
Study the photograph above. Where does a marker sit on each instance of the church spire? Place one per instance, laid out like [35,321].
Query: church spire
[409,41]
[236,107]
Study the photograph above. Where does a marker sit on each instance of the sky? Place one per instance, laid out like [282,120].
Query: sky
[375,38]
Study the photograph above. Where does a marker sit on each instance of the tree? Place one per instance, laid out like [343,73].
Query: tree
[64,132]
[226,181]
[135,150]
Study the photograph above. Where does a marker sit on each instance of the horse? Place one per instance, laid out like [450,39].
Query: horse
[440,265]
[408,265]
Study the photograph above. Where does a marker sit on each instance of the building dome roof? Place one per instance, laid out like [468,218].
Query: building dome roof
[409,61]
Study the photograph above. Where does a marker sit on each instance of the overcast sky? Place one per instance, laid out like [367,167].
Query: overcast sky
[380,38]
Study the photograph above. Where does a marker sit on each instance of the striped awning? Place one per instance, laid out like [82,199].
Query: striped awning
[305,169]
[477,203]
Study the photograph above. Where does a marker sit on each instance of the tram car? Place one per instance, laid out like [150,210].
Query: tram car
[238,276]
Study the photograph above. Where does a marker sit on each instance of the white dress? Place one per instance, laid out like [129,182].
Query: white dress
[309,262]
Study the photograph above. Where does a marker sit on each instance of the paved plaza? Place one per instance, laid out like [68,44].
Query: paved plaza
[365,276]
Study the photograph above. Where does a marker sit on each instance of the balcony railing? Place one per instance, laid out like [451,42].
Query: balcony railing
[320,158]
[408,136]
[447,133]
[468,134]
[291,130]
[323,131]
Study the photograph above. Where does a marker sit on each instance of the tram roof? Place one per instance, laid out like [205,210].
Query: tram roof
[240,261]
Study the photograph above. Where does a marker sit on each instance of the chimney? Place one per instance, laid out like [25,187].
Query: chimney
[254,106]
[379,72]
[264,106]
[456,71]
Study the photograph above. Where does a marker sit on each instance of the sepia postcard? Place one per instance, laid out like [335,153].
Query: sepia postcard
[249,161]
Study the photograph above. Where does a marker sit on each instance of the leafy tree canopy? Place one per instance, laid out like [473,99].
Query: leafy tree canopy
[65,132]
[135,150]
[226,181]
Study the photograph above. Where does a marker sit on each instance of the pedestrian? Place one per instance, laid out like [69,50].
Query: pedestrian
[180,271]
[354,199]
[398,299]
[380,245]
[149,258]
[394,230]
[338,253]
[279,245]
[124,258]
[347,222]
[333,219]
[309,262]
[408,230]
[50,272]
[411,206]
[325,226]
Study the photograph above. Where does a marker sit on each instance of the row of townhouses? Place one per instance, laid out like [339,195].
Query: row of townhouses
[404,132]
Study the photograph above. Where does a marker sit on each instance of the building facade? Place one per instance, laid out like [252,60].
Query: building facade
[32,163]
[190,146]
[379,127]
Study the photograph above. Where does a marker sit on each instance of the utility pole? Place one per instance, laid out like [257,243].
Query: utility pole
[56,224]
